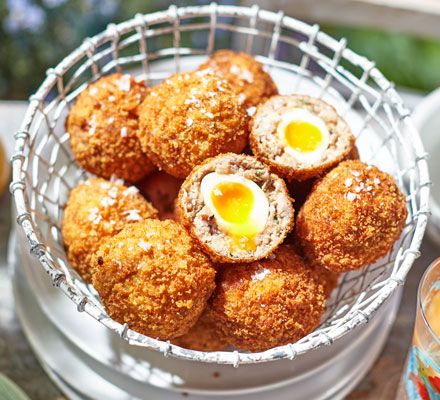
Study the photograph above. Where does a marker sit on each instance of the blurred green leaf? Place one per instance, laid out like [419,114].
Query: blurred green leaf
[10,391]
[408,61]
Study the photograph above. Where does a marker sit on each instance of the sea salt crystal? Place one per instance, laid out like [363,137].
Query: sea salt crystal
[105,185]
[235,69]
[209,114]
[356,173]
[107,201]
[251,111]
[111,120]
[247,76]
[241,98]
[94,215]
[131,191]
[360,187]
[92,128]
[260,275]
[113,192]
[351,196]
[132,215]
[111,98]
[191,100]
[115,179]
[93,91]
[144,245]
[124,83]
[189,121]
[124,131]
[376,181]
[348,182]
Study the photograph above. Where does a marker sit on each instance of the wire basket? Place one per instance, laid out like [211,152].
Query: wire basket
[44,170]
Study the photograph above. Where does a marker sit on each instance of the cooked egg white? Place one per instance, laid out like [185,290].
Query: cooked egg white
[304,135]
[239,206]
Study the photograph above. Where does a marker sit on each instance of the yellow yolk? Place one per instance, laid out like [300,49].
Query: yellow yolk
[234,203]
[239,206]
[303,136]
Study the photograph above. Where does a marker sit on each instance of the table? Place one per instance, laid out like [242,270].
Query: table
[18,362]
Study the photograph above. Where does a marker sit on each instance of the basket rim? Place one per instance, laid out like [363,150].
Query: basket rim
[24,218]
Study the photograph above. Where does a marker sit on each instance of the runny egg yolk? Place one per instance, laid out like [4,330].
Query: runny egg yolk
[234,203]
[303,136]
[239,206]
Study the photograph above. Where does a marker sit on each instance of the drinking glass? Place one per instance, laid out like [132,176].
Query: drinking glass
[421,379]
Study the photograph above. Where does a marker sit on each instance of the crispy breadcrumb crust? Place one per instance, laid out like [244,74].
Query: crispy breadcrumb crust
[161,189]
[245,74]
[152,277]
[200,222]
[98,209]
[267,146]
[351,218]
[267,303]
[203,336]
[102,125]
[190,117]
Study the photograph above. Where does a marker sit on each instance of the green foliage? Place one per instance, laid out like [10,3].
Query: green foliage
[408,61]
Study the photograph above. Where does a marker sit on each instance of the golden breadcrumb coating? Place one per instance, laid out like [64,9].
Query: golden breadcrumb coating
[152,277]
[267,303]
[98,209]
[351,218]
[203,336]
[102,125]
[190,117]
[161,189]
[245,74]
[328,279]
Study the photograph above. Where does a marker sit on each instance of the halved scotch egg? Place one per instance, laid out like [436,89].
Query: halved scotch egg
[300,137]
[239,206]
[235,208]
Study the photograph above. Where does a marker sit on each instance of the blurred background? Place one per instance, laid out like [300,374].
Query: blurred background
[402,36]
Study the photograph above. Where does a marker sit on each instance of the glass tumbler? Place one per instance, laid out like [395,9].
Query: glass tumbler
[421,377]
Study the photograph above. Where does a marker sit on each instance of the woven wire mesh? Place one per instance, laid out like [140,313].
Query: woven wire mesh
[44,170]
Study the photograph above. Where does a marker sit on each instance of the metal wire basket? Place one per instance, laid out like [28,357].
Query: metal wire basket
[44,170]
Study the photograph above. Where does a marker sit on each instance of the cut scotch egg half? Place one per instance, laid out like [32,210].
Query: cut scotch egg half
[304,135]
[239,205]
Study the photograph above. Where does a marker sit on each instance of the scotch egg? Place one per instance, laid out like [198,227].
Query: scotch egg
[300,137]
[235,208]
[239,206]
